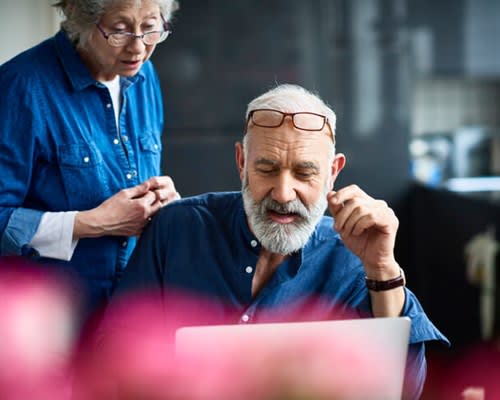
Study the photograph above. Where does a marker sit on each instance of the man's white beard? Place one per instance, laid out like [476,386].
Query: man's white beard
[282,238]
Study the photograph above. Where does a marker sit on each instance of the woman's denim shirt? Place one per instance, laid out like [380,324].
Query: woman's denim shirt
[61,150]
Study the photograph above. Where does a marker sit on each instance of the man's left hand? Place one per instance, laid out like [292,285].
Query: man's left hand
[368,228]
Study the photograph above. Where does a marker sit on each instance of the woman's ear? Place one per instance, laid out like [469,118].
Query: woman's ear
[240,158]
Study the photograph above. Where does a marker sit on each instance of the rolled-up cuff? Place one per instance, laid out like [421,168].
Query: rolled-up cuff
[422,329]
[20,229]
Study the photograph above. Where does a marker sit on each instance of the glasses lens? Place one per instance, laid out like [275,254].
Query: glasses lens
[118,39]
[164,35]
[153,37]
[309,121]
[267,118]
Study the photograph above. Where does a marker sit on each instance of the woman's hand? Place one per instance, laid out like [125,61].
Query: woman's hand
[164,189]
[127,212]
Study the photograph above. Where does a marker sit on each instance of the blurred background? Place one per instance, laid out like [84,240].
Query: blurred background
[416,88]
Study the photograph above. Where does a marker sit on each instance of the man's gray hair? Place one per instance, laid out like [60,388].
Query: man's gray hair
[291,98]
[80,16]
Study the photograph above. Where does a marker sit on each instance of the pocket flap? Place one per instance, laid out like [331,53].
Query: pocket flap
[150,143]
[79,155]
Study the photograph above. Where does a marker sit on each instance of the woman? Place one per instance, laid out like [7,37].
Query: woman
[81,118]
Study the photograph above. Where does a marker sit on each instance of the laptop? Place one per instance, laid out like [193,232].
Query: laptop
[357,358]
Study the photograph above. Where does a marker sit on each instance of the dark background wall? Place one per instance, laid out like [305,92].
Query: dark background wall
[357,54]
[224,53]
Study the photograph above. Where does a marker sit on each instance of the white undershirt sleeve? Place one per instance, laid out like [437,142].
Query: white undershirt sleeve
[54,236]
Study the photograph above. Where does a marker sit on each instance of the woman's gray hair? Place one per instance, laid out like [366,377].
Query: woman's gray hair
[82,15]
[291,98]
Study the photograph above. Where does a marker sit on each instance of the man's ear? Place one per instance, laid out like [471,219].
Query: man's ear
[240,158]
[337,165]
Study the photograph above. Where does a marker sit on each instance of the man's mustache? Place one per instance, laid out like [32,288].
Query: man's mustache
[291,207]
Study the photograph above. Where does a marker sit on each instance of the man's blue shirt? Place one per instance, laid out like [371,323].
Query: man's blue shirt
[61,150]
[203,245]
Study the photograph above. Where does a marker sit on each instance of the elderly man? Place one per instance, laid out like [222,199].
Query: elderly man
[270,247]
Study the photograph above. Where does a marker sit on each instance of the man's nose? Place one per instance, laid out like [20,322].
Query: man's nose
[284,189]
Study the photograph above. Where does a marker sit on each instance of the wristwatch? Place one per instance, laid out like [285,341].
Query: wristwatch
[378,286]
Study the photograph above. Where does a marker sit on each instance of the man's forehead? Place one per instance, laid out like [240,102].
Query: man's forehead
[288,150]
[289,139]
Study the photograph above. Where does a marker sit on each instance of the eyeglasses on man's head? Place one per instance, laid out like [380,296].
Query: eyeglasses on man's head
[119,39]
[306,121]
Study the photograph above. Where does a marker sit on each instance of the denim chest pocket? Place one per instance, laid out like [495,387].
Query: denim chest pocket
[79,156]
[150,154]
[83,175]
[150,143]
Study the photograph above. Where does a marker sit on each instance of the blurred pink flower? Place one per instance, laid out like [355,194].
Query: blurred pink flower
[473,393]
[36,333]
[473,373]
[132,356]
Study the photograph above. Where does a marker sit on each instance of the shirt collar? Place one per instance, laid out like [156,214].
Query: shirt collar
[76,70]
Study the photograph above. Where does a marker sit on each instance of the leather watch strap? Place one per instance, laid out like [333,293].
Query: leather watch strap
[378,286]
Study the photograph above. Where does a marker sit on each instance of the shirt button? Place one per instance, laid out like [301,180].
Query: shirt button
[116,141]
[253,243]
[124,244]
[125,138]
[245,318]
[108,105]
[129,176]
[248,269]
[155,146]
[86,159]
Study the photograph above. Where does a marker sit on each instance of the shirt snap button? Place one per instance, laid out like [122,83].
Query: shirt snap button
[245,318]
[116,141]
[253,243]
[86,159]
[108,105]
[129,176]
[248,269]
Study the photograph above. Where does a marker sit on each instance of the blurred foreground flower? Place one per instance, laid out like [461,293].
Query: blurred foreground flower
[473,393]
[36,333]
[132,356]
[474,375]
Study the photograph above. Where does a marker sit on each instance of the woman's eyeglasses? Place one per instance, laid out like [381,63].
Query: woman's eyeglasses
[120,39]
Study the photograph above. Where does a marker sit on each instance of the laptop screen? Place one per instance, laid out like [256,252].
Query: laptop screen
[348,359]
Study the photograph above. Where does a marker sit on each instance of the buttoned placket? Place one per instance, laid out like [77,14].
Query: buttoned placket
[286,271]
[132,173]
[125,159]
[124,149]
[248,271]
